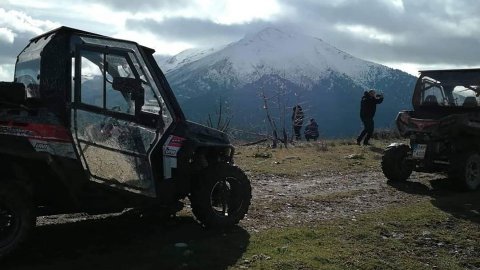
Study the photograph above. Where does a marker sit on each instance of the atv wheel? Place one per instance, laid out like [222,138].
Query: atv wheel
[16,217]
[466,169]
[395,165]
[222,198]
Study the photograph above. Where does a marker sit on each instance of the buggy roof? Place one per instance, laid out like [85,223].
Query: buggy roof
[72,31]
[454,76]
[437,71]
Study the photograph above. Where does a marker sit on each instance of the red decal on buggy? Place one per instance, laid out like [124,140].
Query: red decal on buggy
[172,145]
[176,141]
[37,131]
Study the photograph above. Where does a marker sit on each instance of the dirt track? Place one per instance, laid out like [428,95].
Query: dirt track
[282,202]
[128,241]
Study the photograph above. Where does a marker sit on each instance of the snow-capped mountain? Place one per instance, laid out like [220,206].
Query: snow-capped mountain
[185,57]
[273,51]
[312,71]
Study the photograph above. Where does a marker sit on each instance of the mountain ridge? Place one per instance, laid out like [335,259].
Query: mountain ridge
[239,70]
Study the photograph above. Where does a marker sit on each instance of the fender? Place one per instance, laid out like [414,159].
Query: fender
[23,164]
[392,145]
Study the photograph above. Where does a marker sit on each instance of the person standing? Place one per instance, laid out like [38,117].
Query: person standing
[311,130]
[368,107]
[297,119]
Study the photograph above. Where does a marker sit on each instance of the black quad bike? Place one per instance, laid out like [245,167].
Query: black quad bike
[443,128]
[91,125]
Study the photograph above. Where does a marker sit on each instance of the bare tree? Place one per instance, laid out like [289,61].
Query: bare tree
[276,103]
[271,121]
[223,117]
[279,102]
[282,109]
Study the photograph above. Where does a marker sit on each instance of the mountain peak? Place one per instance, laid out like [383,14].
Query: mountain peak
[276,50]
[272,33]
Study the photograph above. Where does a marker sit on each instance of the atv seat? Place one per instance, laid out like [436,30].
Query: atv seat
[470,102]
[430,100]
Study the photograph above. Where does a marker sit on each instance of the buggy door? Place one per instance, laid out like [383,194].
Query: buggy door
[112,143]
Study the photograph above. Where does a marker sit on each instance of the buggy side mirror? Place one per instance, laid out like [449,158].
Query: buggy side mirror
[132,86]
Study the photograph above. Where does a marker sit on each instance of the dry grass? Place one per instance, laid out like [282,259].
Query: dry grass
[318,158]
[418,236]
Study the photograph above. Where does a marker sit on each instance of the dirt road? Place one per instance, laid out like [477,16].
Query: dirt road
[283,202]
[130,241]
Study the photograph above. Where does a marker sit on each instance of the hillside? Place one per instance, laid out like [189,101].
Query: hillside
[307,70]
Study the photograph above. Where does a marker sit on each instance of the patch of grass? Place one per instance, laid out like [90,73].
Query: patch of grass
[336,196]
[309,158]
[412,237]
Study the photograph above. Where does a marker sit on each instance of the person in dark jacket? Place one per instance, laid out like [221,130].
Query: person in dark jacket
[311,130]
[368,107]
[297,119]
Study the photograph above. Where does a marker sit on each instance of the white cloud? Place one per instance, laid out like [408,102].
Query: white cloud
[100,18]
[32,4]
[409,33]
[6,35]
[110,17]
[369,33]
[398,4]
[150,40]
[410,68]
[234,11]
[6,73]
[20,22]
[222,12]
[16,28]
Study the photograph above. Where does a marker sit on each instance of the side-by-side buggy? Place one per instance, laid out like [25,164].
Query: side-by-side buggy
[90,124]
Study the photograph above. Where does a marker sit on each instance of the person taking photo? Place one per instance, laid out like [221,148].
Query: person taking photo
[368,107]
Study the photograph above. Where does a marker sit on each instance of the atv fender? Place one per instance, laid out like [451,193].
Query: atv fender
[24,168]
[397,145]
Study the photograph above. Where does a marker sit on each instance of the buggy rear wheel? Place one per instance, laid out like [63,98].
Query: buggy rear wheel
[466,170]
[222,198]
[16,217]
[395,165]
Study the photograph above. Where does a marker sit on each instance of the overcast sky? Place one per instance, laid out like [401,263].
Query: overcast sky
[406,34]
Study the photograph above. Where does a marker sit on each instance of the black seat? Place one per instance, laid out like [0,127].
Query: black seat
[470,102]
[430,100]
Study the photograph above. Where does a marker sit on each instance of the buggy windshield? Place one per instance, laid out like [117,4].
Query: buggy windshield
[450,88]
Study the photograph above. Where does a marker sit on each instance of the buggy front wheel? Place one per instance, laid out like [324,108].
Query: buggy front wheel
[222,196]
[466,170]
[395,165]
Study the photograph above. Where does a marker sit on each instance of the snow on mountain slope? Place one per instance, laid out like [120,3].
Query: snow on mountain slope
[296,57]
[186,57]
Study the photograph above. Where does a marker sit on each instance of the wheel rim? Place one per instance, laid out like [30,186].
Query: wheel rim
[472,171]
[224,199]
[8,223]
